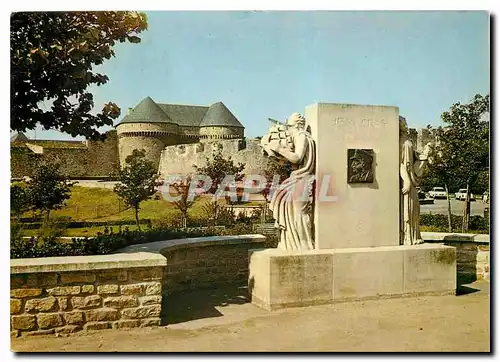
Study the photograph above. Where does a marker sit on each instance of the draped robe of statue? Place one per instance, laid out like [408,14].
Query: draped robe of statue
[291,201]
[411,171]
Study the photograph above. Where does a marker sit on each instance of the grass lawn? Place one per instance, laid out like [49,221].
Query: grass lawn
[98,204]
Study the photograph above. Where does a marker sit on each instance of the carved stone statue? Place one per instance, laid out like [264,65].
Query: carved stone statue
[293,199]
[411,169]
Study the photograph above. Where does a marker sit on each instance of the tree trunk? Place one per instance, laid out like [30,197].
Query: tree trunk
[137,218]
[466,214]
[449,208]
[47,217]
[184,220]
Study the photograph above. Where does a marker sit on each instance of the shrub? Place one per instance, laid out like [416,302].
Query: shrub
[108,241]
[440,222]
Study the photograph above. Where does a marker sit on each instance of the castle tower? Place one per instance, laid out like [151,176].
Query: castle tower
[220,123]
[146,127]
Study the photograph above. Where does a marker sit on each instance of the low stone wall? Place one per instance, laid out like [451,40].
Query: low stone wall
[123,290]
[473,253]
[203,262]
[67,294]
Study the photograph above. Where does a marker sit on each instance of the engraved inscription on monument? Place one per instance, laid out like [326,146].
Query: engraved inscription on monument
[359,165]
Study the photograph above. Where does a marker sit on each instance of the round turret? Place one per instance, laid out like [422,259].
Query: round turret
[220,123]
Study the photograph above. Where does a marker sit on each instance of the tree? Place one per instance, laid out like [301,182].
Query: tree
[184,203]
[138,181]
[217,168]
[48,188]
[460,157]
[276,168]
[19,200]
[51,59]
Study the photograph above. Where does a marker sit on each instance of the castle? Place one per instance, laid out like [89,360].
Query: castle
[175,137]
[153,126]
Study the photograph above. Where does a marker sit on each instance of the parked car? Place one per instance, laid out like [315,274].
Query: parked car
[438,193]
[462,195]
[421,194]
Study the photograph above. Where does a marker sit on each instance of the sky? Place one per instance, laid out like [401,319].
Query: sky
[272,64]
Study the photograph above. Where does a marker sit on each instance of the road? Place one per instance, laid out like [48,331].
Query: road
[441,207]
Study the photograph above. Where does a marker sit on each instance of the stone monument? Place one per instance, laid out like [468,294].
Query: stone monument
[353,251]
[291,210]
[411,171]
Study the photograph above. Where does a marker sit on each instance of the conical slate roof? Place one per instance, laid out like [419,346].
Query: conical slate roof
[147,111]
[219,115]
[19,137]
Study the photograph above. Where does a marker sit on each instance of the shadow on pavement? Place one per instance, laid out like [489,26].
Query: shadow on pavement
[198,304]
[464,290]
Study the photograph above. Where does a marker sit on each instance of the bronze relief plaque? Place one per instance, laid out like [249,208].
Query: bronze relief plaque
[359,165]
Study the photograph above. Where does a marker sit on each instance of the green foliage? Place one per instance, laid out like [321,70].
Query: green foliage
[439,223]
[19,199]
[52,55]
[217,168]
[274,167]
[461,154]
[107,242]
[185,202]
[138,181]
[215,214]
[48,188]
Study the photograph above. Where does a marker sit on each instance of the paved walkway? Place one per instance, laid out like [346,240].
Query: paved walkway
[223,320]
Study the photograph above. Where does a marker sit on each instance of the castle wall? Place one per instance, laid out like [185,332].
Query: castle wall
[181,158]
[98,159]
[221,132]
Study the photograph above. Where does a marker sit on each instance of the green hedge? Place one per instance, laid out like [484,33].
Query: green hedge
[107,242]
[440,221]
[83,224]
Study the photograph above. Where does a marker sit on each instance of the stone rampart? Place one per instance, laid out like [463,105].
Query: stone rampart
[180,159]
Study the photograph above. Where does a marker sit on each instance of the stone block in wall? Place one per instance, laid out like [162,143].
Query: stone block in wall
[142,312]
[65,290]
[92,326]
[107,289]
[92,301]
[40,332]
[15,306]
[152,288]
[131,289]
[102,314]
[145,274]
[74,317]
[49,320]
[111,275]
[150,322]
[63,303]
[23,322]
[150,299]
[65,330]
[77,277]
[41,280]
[126,324]
[124,301]
[48,304]
[25,293]
[87,289]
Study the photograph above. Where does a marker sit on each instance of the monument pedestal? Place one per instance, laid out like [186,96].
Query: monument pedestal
[280,279]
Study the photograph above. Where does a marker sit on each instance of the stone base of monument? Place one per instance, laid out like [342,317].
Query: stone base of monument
[279,279]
